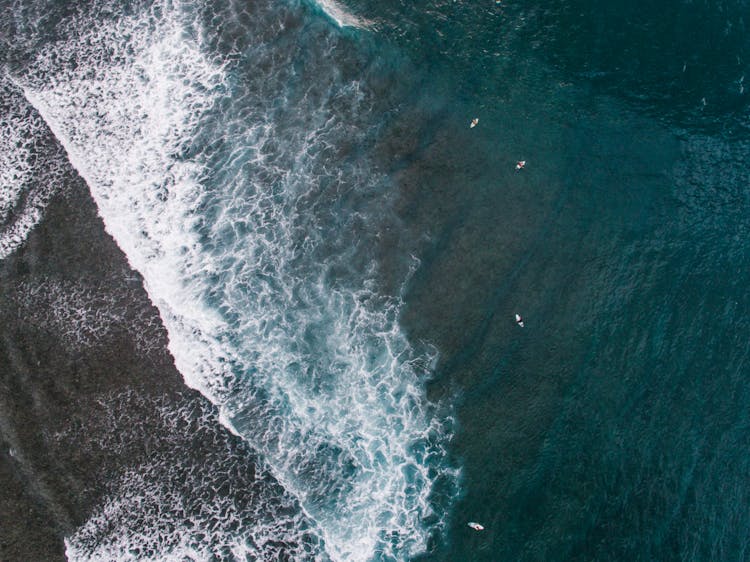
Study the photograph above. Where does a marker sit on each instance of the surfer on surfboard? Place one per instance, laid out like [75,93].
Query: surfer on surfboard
[519,320]
[474,122]
[475,526]
[520,165]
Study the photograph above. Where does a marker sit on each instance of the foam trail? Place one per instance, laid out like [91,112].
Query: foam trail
[341,16]
[225,186]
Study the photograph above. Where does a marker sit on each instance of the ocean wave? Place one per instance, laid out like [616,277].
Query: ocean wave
[229,179]
[341,15]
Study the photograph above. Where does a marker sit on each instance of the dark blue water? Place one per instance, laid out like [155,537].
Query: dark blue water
[612,426]
[347,226]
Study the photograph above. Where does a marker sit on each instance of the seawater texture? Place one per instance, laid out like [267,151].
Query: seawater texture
[82,316]
[32,167]
[221,147]
[208,504]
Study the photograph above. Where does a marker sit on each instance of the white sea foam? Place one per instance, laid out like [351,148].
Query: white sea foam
[157,509]
[341,15]
[30,168]
[238,239]
[83,315]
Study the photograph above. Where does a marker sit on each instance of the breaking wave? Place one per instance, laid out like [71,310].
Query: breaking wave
[341,15]
[228,165]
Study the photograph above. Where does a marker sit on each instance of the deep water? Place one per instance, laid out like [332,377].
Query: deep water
[612,426]
[338,257]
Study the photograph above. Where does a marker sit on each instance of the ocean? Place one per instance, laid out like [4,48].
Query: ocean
[260,275]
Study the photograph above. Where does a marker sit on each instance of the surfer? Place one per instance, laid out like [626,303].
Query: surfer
[475,526]
[474,122]
[520,165]
[519,320]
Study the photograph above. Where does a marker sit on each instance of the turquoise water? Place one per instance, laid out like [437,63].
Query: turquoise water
[338,258]
[612,426]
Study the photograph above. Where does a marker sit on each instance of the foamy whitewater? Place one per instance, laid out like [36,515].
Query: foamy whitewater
[341,16]
[221,170]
